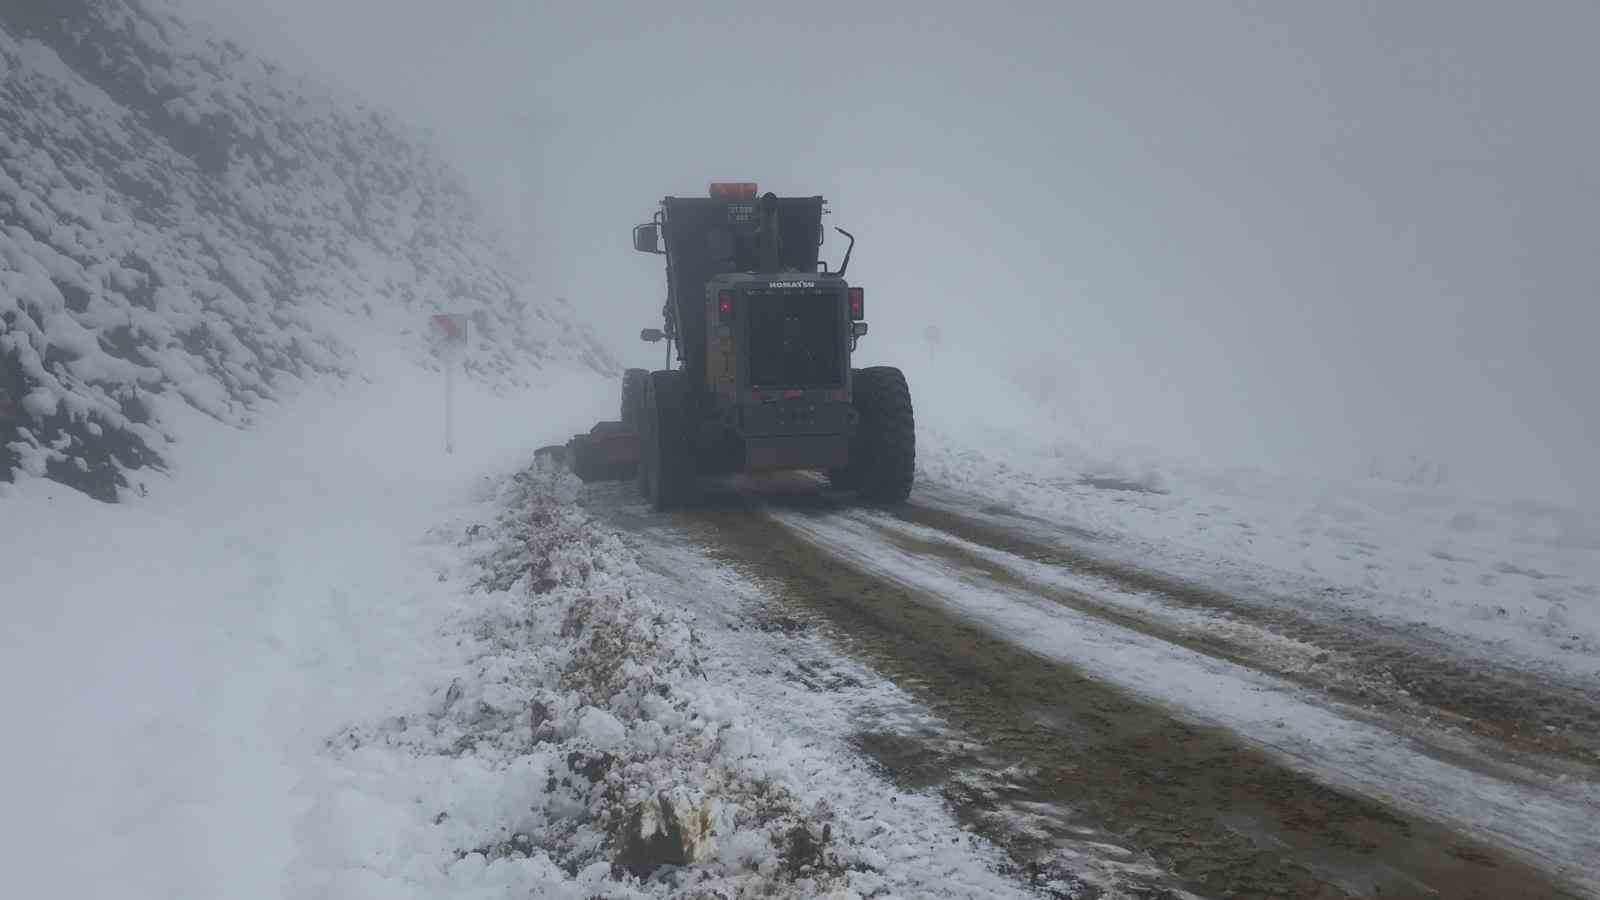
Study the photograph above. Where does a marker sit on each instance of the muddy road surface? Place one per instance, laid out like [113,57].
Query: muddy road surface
[1136,735]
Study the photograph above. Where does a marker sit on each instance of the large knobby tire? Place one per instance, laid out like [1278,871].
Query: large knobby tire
[649,454]
[633,389]
[884,453]
[666,464]
[633,382]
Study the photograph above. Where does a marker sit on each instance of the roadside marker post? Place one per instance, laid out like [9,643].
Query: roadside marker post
[450,332]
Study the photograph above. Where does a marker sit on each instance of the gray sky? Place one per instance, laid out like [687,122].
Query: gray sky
[1303,232]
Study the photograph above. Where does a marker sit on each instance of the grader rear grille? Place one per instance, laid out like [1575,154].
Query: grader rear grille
[795,338]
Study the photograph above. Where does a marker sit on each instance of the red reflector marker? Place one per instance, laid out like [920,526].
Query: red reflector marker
[858,303]
[733,190]
[725,304]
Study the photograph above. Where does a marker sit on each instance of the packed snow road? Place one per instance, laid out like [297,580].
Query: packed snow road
[1142,734]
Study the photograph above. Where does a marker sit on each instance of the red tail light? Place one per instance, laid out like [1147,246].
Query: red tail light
[725,305]
[858,303]
[731,190]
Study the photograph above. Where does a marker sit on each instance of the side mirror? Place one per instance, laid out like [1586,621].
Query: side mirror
[646,239]
[652,335]
[858,328]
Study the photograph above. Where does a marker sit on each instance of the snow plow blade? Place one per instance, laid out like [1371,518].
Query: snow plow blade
[609,452]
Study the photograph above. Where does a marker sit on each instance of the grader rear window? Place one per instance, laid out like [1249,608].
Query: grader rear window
[795,338]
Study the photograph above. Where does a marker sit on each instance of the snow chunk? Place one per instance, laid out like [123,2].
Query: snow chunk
[41,403]
[601,729]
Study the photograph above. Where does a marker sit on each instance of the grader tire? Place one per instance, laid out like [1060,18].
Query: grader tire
[633,384]
[885,450]
[666,463]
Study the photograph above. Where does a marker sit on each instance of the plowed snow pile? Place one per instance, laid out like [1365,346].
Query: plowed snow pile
[583,711]
[582,751]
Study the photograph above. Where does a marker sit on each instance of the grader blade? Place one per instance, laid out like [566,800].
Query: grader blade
[609,452]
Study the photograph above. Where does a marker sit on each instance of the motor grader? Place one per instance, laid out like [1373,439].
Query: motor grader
[762,335]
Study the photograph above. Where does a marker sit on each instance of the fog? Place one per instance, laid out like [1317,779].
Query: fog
[1297,234]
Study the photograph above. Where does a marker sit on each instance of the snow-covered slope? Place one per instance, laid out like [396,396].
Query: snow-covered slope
[179,219]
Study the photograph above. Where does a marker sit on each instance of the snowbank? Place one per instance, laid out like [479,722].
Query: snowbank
[573,746]
[584,715]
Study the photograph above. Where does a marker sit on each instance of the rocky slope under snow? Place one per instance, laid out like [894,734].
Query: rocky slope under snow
[181,221]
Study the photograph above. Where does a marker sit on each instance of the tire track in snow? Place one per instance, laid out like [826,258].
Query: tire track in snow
[1060,756]
[1336,749]
[1365,690]
[1055,751]
[1370,663]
